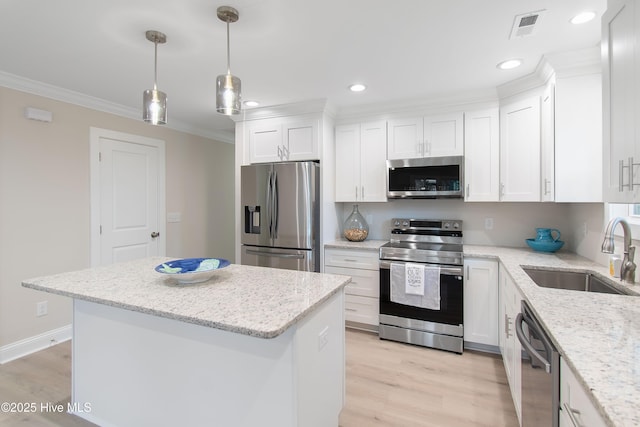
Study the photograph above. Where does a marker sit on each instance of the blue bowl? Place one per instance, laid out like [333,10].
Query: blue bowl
[544,246]
[192,270]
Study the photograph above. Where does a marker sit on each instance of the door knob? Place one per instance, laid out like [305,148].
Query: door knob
[154,234]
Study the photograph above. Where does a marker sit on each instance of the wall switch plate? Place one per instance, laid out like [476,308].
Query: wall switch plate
[488,223]
[41,309]
[174,217]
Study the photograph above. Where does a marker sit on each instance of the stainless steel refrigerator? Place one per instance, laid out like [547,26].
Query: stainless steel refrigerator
[281,215]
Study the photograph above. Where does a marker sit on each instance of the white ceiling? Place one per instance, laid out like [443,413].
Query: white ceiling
[284,51]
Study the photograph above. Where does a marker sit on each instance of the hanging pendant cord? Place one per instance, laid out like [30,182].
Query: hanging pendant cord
[155,65]
[228,51]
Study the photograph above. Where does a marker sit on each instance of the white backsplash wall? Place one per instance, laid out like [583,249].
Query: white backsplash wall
[512,222]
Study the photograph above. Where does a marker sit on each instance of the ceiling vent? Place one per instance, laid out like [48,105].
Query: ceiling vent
[526,24]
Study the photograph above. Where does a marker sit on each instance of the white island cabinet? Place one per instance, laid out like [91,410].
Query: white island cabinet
[251,346]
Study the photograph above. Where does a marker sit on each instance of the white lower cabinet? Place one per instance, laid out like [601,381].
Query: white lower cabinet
[576,410]
[480,302]
[362,295]
[510,300]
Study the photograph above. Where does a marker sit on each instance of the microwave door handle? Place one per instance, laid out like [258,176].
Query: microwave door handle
[527,345]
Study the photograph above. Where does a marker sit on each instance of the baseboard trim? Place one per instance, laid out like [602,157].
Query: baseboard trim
[30,345]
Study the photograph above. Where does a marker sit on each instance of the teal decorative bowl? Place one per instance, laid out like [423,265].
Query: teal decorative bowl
[544,246]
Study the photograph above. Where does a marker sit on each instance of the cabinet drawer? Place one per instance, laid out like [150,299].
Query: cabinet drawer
[361,309]
[351,258]
[574,402]
[365,283]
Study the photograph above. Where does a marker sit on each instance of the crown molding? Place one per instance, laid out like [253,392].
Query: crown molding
[294,109]
[46,90]
[561,64]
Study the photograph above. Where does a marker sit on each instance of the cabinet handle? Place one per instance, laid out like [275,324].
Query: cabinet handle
[356,192]
[350,260]
[427,147]
[279,152]
[467,190]
[620,175]
[572,414]
[546,186]
[467,273]
[350,309]
[502,189]
[630,173]
[507,326]
[362,192]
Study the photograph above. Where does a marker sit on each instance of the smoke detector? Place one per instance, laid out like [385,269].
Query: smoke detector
[526,24]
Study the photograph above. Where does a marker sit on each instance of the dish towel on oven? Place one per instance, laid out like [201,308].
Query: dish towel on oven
[417,285]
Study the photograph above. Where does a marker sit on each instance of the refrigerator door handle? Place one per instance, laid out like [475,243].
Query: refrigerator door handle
[275,205]
[268,202]
[275,255]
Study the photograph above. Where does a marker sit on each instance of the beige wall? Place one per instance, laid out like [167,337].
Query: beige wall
[44,201]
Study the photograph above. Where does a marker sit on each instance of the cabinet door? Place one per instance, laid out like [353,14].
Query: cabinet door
[510,300]
[265,141]
[443,135]
[547,141]
[482,156]
[619,48]
[578,145]
[520,151]
[373,165]
[301,140]
[348,163]
[405,138]
[575,407]
[481,301]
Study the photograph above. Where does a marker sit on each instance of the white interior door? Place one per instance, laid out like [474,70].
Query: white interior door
[127,197]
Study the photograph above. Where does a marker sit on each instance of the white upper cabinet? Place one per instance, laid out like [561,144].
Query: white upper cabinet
[280,140]
[430,136]
[620,79]
[578,138]
[482,156]
[361,162]
[520,150]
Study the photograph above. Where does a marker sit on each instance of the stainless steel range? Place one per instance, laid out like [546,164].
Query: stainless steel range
[421,284]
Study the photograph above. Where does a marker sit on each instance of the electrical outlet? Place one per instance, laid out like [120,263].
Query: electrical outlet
[41,309]
[323,338]
[488,223]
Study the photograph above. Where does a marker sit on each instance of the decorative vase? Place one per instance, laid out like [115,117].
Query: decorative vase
[356,228]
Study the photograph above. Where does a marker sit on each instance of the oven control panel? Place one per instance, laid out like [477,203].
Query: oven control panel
[431,224]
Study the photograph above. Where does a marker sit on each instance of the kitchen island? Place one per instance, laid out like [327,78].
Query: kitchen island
[251,346]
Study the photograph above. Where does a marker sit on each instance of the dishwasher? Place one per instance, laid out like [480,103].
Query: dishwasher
[540,374]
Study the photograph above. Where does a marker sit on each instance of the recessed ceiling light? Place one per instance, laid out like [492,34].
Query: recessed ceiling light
[583,17]
[357,87]
[251,103]
[509,64]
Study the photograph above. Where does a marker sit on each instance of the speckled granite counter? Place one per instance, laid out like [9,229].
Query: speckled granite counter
[256,301]
[598,335]
[142,341]
[370,245]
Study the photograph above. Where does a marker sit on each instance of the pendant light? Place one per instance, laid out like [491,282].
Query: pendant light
[154,102]
[228,98]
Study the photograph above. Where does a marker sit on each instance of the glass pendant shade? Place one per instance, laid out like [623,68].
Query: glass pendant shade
[228,98]
[154,107]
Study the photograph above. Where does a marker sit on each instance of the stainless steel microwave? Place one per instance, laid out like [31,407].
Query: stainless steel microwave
[425,178]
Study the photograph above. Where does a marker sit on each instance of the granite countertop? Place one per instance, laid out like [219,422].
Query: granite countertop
[371,245]
[256,301]
[598,335]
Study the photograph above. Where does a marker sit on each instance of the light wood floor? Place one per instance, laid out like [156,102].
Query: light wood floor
[388,384]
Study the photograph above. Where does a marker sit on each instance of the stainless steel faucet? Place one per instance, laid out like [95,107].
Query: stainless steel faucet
[628,268]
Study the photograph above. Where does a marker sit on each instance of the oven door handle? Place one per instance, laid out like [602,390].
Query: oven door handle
[527,345]
[446,270]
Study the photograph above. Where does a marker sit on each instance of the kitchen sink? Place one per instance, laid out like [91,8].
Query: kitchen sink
[571,280]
